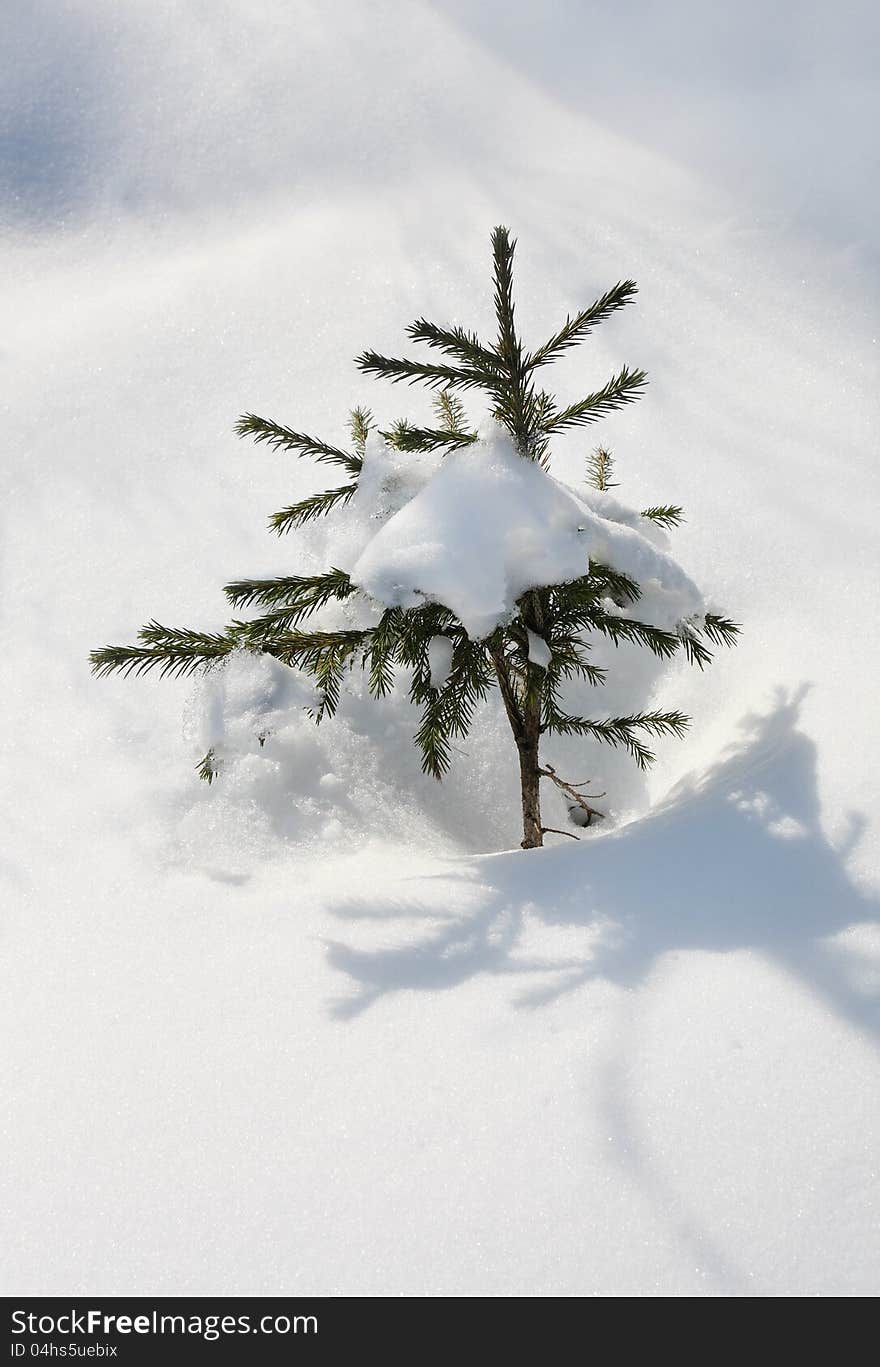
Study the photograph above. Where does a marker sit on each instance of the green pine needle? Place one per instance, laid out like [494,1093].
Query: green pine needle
[285,439]
[465,346]
[664,514]
[451,413]
[575,329]
[175,652]
[360,424]
[395,369]
[600,468]
[310,508]
[208,767]
[621,389]
[303,590]
[403,437]
[720,630]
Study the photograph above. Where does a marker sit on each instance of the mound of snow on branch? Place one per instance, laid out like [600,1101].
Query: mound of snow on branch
[489,524]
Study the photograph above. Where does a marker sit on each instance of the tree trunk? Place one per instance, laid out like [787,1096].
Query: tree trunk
[525,723]
[530,785]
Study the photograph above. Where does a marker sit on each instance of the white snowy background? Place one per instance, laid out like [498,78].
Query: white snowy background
[323,1027]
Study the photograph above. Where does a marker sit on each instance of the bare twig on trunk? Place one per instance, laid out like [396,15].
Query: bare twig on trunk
[572,790]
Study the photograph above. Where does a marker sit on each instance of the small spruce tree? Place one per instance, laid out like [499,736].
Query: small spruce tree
[563,616]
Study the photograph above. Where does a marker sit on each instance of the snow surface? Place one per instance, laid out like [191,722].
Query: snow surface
[322,1027]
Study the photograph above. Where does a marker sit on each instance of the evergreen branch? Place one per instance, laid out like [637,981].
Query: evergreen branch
[403,437]
[541,409]
[244,593]
[395,369]
[447,711]
[360,425]
[418,627]
[523,411]
[545,407]
[450,412]
[672,723]
[326,655]
[664,514]
[623,388]
[662,643]
[314,590]
[603,580]
[593,674]
[313,594]
[305,648]
[174,651]
[694,651]
[575,329]
[314,506]
[208,767]
[509,349]
[568,659]
[466,346]
[621,731]
[720,630]
[516,405]
[329,672]
[261,630]
[600,468]
[432,738]
[381,653]
[285,439]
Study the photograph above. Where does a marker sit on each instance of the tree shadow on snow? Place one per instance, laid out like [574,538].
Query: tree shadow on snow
[733,860]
